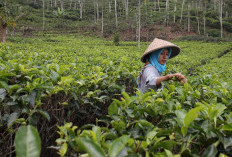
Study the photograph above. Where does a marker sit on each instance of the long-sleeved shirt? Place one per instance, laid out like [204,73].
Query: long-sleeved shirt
[149,78]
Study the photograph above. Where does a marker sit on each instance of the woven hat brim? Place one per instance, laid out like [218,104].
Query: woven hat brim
[175,51]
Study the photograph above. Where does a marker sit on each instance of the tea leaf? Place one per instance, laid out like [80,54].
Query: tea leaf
[44,114]
[118,145]
[12,119]
[2,93]
[191,116]
[211,151]
[89,146]
[27,142]
[113,109]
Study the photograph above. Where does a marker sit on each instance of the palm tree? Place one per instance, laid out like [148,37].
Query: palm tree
[59,14]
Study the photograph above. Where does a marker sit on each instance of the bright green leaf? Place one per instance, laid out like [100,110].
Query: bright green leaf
[118,145]
[12,119]
[44,114]
[227,128]
[191,116]
[211,151]
[113,109]
[63,149]
[90,146]
[27,142]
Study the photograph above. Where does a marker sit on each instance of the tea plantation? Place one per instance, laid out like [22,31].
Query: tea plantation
[76,96]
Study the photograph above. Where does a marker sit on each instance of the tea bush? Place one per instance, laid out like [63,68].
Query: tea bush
[71,81]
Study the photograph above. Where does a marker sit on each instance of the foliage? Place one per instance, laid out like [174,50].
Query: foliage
[116,39]
[72,81]
[205,39]
[27,142]
[189,120]
[10,12]
[152,14]
[59,14]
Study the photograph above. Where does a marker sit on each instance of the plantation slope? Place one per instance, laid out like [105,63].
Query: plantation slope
[194,54]
[221,66]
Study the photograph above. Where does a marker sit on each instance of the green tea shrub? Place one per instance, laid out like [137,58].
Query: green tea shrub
[116,39]
[213,33]
[227,26]
[189,120]
[204,38]
[49,80]
[35,5]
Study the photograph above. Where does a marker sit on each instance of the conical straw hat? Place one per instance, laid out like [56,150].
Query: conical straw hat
[160,44]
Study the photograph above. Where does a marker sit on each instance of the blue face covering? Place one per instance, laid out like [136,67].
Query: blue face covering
[153,59]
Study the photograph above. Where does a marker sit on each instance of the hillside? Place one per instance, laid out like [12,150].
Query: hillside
[158,19]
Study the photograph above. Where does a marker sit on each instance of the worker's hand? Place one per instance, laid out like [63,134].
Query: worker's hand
[169,76]
[180,77]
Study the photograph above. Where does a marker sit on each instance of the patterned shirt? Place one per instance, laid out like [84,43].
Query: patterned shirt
[147,79]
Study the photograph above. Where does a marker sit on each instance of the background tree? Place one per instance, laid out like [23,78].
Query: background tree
[139,22]
[116,13]
[155,15]
[4,19]
[174,16]
[220,15]
[43,16]
[10,13]
[59,14]
[182,9]
[189,8]
[81,8]
[102,17]
[167,13]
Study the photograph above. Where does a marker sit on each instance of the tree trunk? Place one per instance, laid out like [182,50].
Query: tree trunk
[197,16]
[182,8]
[110,6]
[70,5]
[55,4]
[166,13]
[81,9]
[116,15]
[43,16]
[139,24]
[174,20]
[126,8]
[220,12]
[155,4]
[198,25]
[97,11]
[189,17]
[3,32]
[75,6]
[61,5]
[146,21]
[102,17]
[159,5]
[94,5]
[204,24]
[83,6]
